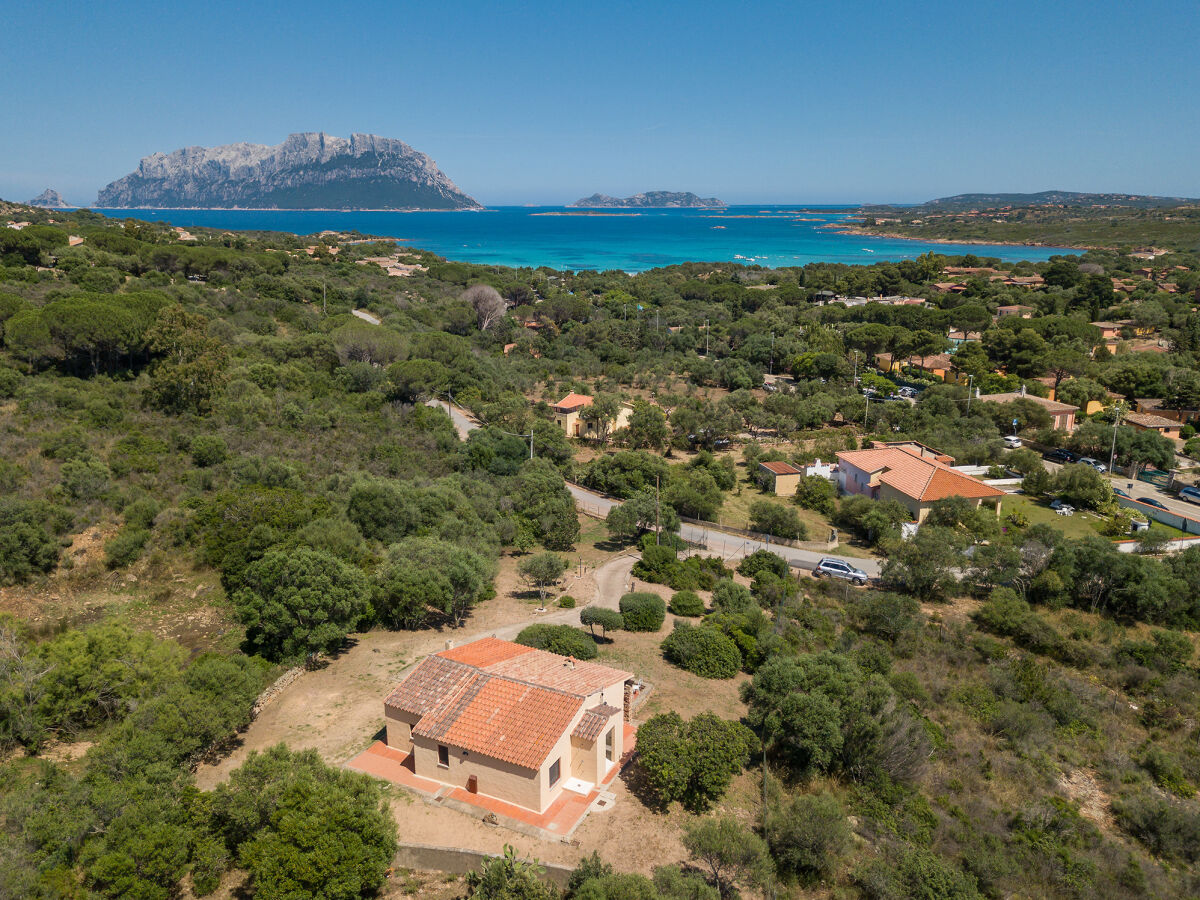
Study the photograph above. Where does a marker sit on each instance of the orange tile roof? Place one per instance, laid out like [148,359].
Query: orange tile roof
[593,722]
[485,652]
[1149,420]
[500,699]
[1052,406]
[573,401]
[781,468]
[921,479]
[506,720]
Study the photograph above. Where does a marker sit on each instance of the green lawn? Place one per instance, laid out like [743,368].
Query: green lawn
[1083,524]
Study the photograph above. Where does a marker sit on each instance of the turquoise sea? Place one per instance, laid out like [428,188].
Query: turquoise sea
[631,240]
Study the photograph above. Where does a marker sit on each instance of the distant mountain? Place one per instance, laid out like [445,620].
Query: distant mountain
[1054,198]
[648,200]
[49,199]
[306,171]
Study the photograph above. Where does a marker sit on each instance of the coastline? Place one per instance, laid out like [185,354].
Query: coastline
[893,235]
[276,209]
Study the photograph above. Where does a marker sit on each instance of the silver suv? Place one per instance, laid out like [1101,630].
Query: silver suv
[835,568]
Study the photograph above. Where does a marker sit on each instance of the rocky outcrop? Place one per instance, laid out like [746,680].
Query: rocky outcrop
[306,171]
[49,199]
[648,200]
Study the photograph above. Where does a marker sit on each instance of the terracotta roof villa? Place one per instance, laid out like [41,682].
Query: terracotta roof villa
[572,403]
[510,722]
[1063,414]
[1151,422]
[905,475]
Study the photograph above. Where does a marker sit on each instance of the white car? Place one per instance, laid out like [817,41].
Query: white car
[836,568]
[1012,442]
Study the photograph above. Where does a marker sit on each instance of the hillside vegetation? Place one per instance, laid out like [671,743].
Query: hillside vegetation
[211,471]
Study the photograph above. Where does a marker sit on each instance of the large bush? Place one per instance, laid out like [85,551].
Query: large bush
[643,611]
[301,601]
[686,603]
[561,639]
[692,762]
[702,651]
[807,835]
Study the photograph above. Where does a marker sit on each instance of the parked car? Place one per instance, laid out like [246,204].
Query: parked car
[1012,442]
[1060,456]
[1065,510]
[1150,501]
[1120,493]
[1059,504]
[836,568]
[1094,463]
[1190,494]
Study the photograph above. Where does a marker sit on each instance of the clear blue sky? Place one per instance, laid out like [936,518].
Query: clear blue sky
[544,102]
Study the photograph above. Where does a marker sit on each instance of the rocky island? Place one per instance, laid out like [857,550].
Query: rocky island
[649,200]
[49,199]
[306,171]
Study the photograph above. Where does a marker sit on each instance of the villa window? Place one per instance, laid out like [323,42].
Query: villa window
[443,756]
[555,772]
[608,745]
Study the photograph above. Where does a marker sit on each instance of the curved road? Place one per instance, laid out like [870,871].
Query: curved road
[725,544]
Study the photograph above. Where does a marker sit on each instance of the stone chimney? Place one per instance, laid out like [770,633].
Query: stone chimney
[449,645]
[628,704]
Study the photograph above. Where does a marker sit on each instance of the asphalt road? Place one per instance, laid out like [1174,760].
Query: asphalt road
[722,543]
[728,546]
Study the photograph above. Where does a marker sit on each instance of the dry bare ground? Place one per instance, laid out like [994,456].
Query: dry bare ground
[338,710]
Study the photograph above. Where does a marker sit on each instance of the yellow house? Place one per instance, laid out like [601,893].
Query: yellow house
[567,416]
[510,722]
[783,477]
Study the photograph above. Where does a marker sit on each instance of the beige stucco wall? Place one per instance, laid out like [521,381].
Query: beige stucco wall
[399,728]
[496,778]
[505,781]
[785,485]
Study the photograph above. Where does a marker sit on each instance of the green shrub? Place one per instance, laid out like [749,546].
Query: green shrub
[702,651]
[729,596]
[761,561]
[692,762]
[643,611]
[658,564]
[141,513]
[208,450]
[817,493]
[686,603]
[566,601]
[607,619]
[776,519]
[808,835]
[1170,828]
[561,639]
[1166,771]
[126,547]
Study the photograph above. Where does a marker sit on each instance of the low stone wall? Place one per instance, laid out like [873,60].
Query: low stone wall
[275,689]
[459,862]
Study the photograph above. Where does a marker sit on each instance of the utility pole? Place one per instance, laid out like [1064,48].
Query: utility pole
[855,352]
[531,443]
[706,338]
[324,310]
[656,526]
[772,353]
[866,410]
[970,381]
[1116,424]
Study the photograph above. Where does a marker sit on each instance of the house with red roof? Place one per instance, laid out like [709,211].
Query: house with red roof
[507,721]
[781,478]
[912,478]
[568,415]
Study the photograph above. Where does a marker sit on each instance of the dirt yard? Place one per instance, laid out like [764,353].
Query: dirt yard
[338,710]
